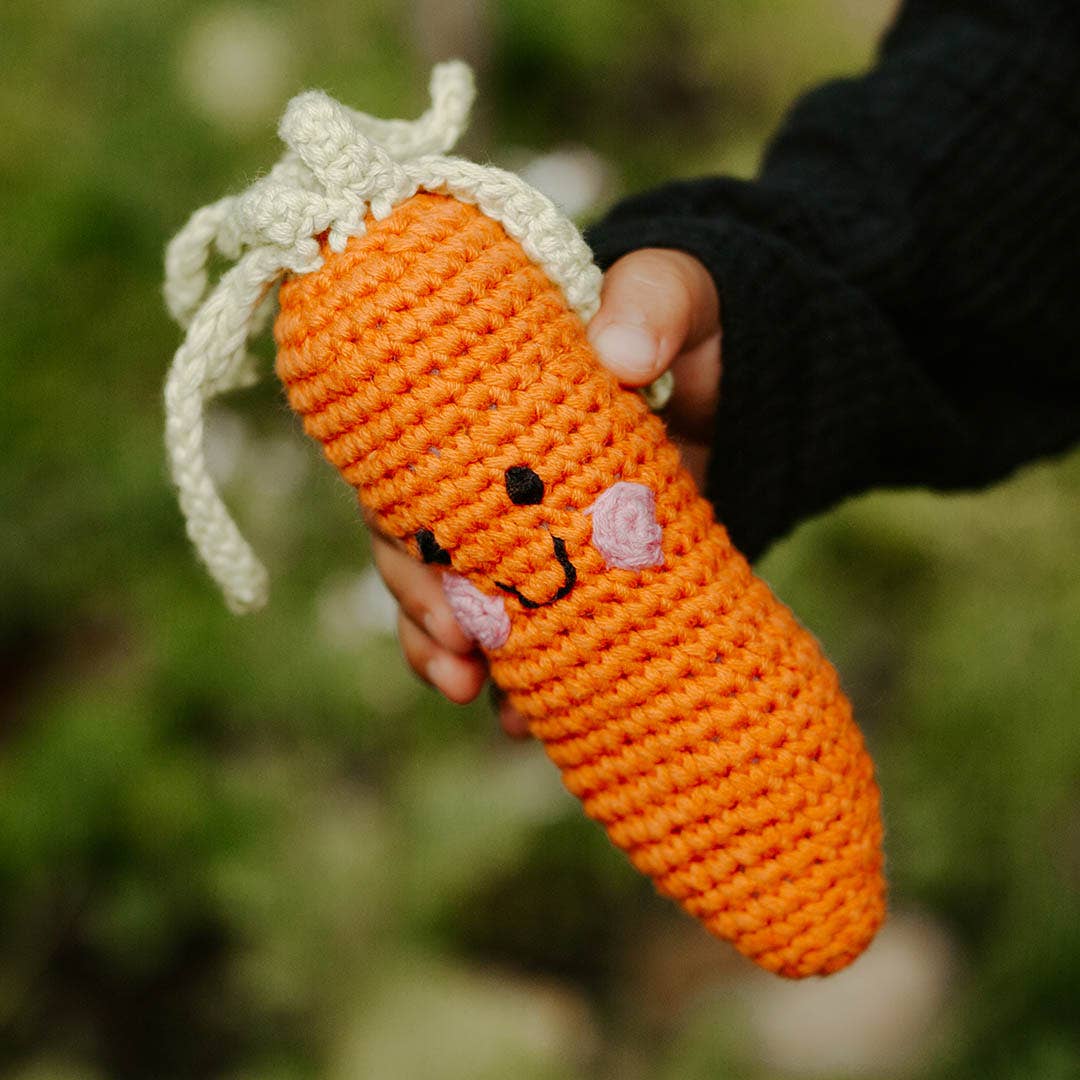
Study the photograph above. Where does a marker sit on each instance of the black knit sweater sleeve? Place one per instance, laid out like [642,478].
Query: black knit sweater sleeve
[900,286]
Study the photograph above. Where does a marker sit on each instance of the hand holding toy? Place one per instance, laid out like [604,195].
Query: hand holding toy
[431,335]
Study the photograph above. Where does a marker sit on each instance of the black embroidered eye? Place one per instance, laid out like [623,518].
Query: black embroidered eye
[430,551]
[523,486]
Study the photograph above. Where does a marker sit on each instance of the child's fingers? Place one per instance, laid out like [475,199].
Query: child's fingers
[690,412]
[655,304]
[510,720]
[418,590]
[433,643]
[460,678]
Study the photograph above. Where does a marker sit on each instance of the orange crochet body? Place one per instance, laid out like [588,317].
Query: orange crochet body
[685,706]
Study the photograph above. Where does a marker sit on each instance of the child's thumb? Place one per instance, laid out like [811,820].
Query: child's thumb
[656,303]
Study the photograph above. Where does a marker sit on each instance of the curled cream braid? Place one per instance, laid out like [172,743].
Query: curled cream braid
[341,167]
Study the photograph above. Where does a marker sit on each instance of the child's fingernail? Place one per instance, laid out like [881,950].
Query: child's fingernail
[441,672]
[627,349]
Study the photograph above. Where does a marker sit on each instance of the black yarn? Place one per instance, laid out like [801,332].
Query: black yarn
[523,486]
[430,549]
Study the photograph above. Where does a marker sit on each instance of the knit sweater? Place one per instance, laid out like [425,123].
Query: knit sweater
[900,284]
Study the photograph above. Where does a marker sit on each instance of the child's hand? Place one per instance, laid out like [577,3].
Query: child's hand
[659,309]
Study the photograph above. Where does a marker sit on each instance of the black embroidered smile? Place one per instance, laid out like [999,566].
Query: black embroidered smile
[569,571]
[524,488]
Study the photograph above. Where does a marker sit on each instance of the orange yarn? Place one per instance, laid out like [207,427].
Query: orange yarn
[687,709]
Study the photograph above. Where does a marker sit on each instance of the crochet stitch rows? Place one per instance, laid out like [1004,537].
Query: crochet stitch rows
[685,706]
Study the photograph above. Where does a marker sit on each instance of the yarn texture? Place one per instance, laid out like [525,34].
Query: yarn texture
[446,373]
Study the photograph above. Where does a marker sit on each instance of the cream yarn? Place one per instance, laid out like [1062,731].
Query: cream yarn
[340,166]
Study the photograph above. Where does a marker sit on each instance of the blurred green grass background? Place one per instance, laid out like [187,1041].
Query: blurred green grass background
[258,848]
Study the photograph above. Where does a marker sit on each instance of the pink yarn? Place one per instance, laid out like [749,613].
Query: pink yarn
[624,529]
[482,617]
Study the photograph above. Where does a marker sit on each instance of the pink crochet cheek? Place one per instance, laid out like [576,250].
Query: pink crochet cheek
[482,617]
[624,527]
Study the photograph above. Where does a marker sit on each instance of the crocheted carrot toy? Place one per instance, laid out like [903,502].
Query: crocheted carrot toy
[431,335]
